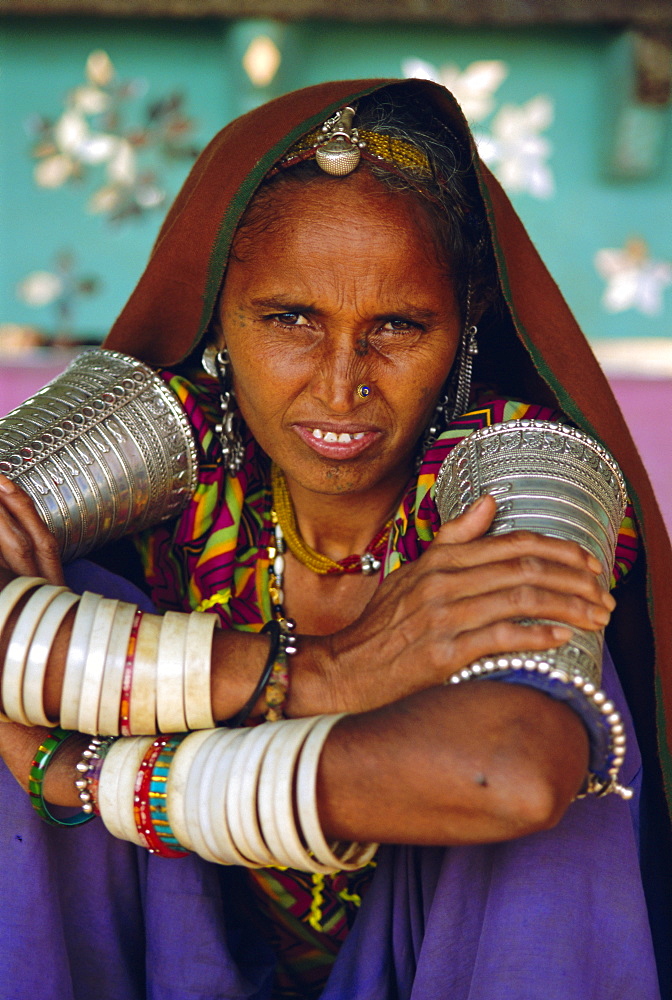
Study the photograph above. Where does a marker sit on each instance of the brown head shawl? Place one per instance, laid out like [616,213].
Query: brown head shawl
[538,352]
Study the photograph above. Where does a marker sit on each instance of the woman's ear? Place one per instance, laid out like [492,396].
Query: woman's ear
[215,334]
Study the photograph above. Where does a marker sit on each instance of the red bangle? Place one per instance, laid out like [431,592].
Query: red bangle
[127,681]
[141,803]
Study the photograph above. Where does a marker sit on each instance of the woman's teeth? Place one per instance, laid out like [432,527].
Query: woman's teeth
[341,438]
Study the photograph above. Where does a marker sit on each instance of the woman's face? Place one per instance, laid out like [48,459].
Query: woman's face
[340,284]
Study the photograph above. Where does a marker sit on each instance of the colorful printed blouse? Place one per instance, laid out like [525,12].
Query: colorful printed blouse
[214,558]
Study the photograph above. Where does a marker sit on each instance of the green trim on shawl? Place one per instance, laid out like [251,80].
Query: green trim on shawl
[220,250]
[663,746]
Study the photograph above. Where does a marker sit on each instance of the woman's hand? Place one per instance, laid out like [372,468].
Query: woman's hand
[27,547]
[18,746]
[460,601]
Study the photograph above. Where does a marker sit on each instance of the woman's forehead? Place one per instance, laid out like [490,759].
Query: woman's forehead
[348,211]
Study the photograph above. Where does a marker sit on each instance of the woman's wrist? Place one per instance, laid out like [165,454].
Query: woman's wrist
[18,747]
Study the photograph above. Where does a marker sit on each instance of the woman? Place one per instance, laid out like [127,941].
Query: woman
[346,317]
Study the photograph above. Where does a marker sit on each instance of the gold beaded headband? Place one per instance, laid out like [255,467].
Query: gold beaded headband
[338,147]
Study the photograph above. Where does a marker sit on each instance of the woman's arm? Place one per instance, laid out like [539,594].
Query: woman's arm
[462,764]
[426,621]
[474,763]
[459,601]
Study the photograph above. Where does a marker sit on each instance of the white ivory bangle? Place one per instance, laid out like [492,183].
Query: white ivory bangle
[170,680]
[113,673]
[212,802]
[38,657]
[94,666]
[283,782]
[108,785]
[176,785]
[192,795]
[241,794]
[275,796]
[17,651]
[76,658]
[9,598]
[351,856]
[198,665]
[142,717]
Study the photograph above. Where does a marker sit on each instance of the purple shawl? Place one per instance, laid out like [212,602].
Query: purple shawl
[559,915]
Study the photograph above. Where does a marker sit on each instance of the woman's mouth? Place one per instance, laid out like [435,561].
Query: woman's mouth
[332,443]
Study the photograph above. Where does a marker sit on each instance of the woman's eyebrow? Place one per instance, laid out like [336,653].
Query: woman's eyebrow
[283,304]
[402,309]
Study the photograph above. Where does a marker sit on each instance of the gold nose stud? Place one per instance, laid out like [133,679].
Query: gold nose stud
[363,391]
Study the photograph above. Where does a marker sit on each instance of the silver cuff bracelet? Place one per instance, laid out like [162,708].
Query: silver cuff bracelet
[555,480]
[103,450]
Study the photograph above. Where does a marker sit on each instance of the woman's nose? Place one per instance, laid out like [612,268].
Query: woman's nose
[340,368]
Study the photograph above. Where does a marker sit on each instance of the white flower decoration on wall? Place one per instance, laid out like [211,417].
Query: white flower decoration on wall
[634,279]
[90,134]
[61,288]
[513,146]
[473,87]
[516,151]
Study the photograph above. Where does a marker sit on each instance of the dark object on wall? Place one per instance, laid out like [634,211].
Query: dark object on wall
[477,12]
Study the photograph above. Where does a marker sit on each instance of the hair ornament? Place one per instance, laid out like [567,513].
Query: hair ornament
[338,146]
[339,151]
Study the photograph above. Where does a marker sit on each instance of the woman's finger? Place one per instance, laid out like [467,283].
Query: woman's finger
[453,553]
[498,639]
[27,547]
[473,523]
[497,577]
[521,602]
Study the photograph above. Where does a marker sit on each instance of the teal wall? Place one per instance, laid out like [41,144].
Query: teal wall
[42,59]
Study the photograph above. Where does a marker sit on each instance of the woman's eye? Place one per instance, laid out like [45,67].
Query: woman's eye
[290,319]
[399,325]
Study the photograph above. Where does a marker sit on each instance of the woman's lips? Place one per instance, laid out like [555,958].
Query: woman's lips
[333,443]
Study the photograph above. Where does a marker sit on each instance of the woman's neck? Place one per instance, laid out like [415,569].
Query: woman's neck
[339,525]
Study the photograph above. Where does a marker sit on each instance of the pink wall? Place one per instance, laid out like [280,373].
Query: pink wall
[647,407]
[646,403]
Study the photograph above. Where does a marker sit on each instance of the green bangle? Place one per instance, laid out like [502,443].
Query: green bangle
[43,758]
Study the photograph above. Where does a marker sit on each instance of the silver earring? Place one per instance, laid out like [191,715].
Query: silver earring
[455,400]
[459,386]
[217,364]
[462,379]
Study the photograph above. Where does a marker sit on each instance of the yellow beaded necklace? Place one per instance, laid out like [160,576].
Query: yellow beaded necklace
[283,514]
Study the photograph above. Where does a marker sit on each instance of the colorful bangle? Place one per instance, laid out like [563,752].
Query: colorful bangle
[88,772]
[274,632]
[158,811]
[275,694]
[43,758]
[142,810]
[125,701]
